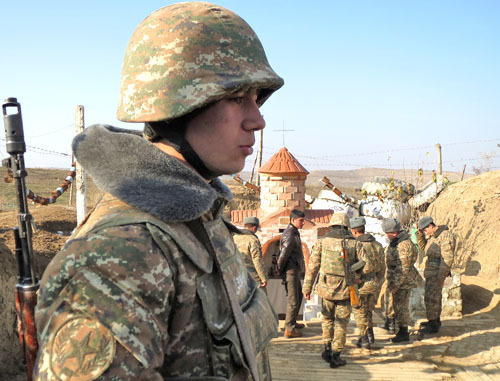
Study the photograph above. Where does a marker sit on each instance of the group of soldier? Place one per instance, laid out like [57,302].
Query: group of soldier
[351,271]
[151,286]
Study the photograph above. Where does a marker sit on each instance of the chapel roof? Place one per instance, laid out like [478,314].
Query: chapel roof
[283,163]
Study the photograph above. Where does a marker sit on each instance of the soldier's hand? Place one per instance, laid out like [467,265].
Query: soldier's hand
[307,296]
[263,284]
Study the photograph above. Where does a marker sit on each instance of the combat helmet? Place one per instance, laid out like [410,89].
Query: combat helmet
[188,55]
[339,219]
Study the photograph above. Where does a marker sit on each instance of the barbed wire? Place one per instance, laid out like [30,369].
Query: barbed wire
[51,132]
[43,150]
[330,158]
[414,148]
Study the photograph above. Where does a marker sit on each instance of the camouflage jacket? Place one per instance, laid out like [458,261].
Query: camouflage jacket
[401,256]
[440,252]
[372,273]
[140,290]
[249,247]
[326,258]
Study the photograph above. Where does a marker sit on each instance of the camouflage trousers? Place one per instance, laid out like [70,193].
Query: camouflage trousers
[335,312]
[402,307]
[363,314]
[433,296]
[389,305]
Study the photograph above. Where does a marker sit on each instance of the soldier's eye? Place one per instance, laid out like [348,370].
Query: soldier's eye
[237,100]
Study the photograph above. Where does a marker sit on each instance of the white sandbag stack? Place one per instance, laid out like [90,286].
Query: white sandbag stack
[387,198]
[429,192]
[374,227]
[327,199]
[385,208]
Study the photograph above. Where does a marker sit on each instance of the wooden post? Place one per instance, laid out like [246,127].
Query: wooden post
[259,154]
[80,178]
[253,167]
[440,159]
[463,171]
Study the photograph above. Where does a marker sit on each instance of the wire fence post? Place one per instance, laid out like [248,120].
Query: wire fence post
[440,159]
[80,178]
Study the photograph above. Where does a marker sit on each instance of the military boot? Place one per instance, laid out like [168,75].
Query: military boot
[392,326]
[336,361]
[402,335]
[371,336]
[327,353]
[426,323]
[363,342]
[431,327]
[386,324]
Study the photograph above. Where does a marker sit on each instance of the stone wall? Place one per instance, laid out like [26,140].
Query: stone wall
[282,192]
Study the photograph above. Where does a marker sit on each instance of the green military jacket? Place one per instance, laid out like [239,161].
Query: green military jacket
[143,288]
[372,274]
[326,258]
[440,251]
[401,255]
[251,251]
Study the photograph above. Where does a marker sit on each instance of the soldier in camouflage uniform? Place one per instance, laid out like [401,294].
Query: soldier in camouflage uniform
[331,286]
[439,244]
[372,275]
[249,247]
[402,275]
[151,285]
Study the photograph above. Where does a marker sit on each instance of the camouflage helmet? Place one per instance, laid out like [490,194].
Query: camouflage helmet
[339,219]
[188,55]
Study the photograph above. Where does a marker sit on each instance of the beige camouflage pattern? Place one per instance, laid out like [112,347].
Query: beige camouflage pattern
[372,275]
[336,315]
[363,314]
[251,251]
[401,303]
[373,272]
[401,256]
[158,292]
[402,275]
[433,297]
[326,258]
[188,55]
[440,251]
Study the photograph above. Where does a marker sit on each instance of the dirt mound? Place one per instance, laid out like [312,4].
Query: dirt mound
[471,209]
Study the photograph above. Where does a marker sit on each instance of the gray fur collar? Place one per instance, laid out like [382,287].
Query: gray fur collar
[121,162]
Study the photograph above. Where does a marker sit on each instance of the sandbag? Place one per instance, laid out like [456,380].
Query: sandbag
[373,207]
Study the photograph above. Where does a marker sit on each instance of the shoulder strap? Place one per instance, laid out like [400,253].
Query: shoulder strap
[196,226]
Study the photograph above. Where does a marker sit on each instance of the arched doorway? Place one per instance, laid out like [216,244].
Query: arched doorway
[270,252]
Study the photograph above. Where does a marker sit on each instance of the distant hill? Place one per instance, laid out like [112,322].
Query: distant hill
[356,178]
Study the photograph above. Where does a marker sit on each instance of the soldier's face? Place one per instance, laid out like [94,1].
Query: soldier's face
[391,235]
[223,134]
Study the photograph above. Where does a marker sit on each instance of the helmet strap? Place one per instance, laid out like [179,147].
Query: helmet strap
[175,136]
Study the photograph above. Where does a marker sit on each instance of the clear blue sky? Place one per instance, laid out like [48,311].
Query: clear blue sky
[367,83]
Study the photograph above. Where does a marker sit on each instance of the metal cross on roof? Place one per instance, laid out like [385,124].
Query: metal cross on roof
[283,131]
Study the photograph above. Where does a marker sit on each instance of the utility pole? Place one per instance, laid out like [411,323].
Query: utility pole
[440,159]
[80,178]
[259,154]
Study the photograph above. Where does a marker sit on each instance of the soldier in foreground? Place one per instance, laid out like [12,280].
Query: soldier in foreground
[372,276]
[439,244]
[402,275]
[151,286]
[249,247]
[290,267]
[332,286]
